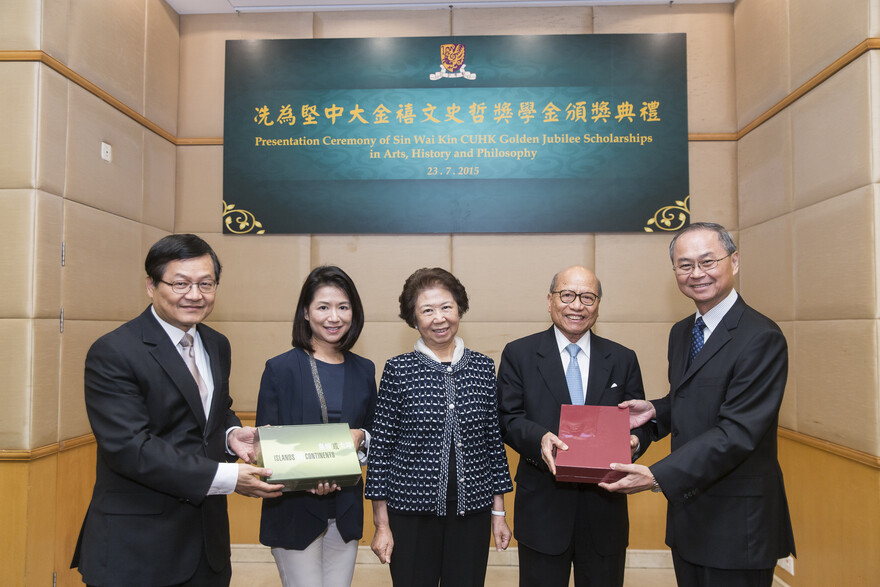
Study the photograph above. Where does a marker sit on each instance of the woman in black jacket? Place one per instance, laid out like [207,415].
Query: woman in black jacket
[314,535]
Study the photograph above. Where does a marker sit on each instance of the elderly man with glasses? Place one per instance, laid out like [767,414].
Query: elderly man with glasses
[727,515]
[559,524]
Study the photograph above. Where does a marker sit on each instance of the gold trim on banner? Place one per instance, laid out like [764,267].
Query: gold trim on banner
[670,218]
[244,220]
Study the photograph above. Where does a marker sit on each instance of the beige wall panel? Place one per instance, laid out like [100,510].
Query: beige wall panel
[637,279]
[107,47]
[764,171]
[199,193]
[202,61]
[16,342]
[101,249]
[76,340]
[522,21]
[762,57]
[262,276]
[766,270]
[836,238]
[490,338]
[31,263]
[17,261]
[832,137]
[379,264]
[52,129]
[253,343]
[46,383]
[508,276]
[160,177]
[47,268]
[822,31]
[377,23]
[788,417]
[20,26]
[115,186]
[710,57]
[162,65]
[837,382]
[382,340]
[713,182]
[18,124]
[149,236]
[55,33]
[650,341]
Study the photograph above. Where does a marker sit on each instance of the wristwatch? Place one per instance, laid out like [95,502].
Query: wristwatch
[656,486]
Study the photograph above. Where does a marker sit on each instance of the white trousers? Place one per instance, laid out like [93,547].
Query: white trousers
[326,562]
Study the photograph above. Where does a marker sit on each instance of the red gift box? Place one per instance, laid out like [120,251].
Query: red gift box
[596,437]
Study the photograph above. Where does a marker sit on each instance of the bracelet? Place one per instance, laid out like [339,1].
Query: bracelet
[500,514]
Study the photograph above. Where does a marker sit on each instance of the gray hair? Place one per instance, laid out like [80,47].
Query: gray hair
[723,236]
[598,284]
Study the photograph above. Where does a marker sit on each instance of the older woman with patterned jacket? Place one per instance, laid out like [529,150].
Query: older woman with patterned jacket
[437,472]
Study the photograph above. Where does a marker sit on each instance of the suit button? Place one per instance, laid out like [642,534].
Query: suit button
[675,432]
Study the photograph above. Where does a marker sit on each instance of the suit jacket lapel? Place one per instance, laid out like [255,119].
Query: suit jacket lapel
[167,356]
[348,399]
[720,337]
[550,367]
[310,405]
[597,378]
[213,351]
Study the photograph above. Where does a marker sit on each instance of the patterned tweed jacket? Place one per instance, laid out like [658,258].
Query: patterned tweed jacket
[424,408]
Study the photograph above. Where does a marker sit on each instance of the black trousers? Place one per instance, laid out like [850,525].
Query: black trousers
[591,569]
[691,575]
[447,550]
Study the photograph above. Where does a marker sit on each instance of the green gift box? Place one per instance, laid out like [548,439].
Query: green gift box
[303,456]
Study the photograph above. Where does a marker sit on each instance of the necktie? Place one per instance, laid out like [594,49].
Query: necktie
[189,356]
[573,376]
[696,340]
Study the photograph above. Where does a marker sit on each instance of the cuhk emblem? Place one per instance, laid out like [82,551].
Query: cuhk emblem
[452,62]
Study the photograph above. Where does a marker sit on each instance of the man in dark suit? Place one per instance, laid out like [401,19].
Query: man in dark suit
[727,517]
[561,524]
[157,397]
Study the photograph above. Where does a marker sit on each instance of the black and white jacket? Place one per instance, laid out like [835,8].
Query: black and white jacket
[423,408]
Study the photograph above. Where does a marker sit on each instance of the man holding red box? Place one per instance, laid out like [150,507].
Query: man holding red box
[559,524]
[727,518]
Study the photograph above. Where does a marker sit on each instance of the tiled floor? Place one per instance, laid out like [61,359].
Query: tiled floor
[254,567]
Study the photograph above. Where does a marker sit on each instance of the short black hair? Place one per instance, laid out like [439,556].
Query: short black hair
[177,247]
[319,277]
[426,278]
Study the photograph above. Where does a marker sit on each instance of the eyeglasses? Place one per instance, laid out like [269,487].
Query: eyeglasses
[568,296]
[182,287]
[705,265]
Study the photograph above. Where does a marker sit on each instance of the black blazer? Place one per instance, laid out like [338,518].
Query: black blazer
[727,506]
[149,519]
[288,396]
[531,391]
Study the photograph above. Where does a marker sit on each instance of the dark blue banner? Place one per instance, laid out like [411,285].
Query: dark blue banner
[562,133]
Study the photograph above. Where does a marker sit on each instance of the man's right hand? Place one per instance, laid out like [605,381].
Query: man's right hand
[640,412]
[251,486]
[548,442]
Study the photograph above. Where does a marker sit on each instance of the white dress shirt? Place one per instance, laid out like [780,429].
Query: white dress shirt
[227,473]
[583,357]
